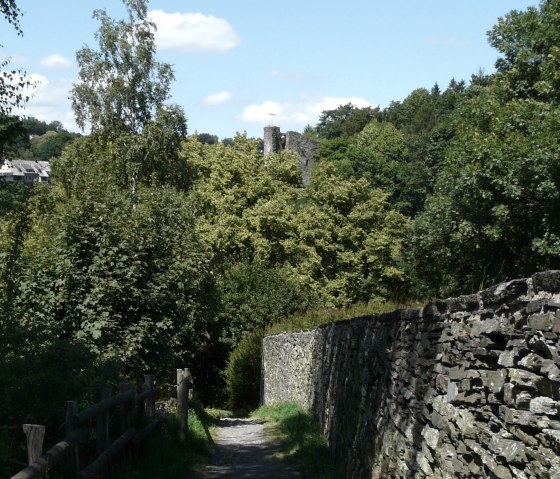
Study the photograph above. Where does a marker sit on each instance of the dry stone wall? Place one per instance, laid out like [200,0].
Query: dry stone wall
[466,387]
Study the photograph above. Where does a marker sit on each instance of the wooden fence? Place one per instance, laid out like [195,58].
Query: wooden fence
[129,415]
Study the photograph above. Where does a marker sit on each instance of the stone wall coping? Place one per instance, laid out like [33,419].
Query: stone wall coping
[486,300]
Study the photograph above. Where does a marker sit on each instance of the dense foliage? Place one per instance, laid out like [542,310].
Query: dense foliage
[493,214]
[32,139]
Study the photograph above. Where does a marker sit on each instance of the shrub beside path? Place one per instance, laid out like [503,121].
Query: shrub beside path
[244,450]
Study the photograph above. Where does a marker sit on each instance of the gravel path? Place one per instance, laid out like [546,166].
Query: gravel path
[243,450]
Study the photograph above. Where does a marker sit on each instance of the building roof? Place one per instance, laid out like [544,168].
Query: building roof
[23,168]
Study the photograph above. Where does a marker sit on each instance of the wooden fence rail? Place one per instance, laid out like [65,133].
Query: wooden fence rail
[136,418]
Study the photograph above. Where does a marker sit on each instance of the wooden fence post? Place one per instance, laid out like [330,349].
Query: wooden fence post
[182,402]
[151,401]
[72,464]
[35,435]
[188,393]
[124,413]
[190,385]
[124,419]
[102,431]
[139,417]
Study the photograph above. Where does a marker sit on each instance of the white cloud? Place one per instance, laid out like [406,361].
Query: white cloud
[261,113]
[302,113]
[56,61]
[217,98]
[193,32]
[50,101]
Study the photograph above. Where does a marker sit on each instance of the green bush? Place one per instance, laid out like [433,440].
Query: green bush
[254,295]
[243,372]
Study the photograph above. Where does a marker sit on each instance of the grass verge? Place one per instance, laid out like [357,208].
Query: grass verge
[165,456]
[302,440]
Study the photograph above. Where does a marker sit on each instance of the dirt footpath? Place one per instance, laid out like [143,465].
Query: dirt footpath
[243,450]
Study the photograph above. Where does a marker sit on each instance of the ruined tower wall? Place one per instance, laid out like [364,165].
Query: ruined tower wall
[272,139]
[305,149]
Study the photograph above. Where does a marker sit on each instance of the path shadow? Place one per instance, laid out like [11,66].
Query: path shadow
[248,461]
[243,450]
[233,422]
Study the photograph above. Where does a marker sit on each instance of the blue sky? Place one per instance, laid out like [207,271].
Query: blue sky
[237,61]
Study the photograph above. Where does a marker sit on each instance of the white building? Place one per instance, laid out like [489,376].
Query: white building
[25,171]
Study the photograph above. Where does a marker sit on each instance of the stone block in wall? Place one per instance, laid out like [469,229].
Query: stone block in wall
[511,450]
[539,344]
[527,439]
[466,422]
[508,358]
[452,391]
[524,418]
[533,362]
[516,397]
[523,400]
[535,306]
[552,438]
[495,380]
[551,370]
[542,322]
[465,303]
[430,310]
[484,326]
[425,464]
[470,397]
[512,292]
[488,459]
[411,313]
[525,379]
[544,405]
[431,436]
[548,281]
[556,325]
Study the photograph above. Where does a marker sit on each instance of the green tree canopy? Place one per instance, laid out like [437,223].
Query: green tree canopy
[493,215]
[50,145]
[122,85]
[529,42]
[494,212]
[129,284]
[346,120]
[121,95]
[338,239]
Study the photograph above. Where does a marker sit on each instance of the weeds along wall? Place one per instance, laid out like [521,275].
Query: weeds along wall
[465,387]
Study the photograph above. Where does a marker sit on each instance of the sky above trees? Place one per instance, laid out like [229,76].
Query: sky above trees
[237,62]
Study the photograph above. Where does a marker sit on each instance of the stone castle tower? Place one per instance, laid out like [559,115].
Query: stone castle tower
[272,139]
[275,141]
